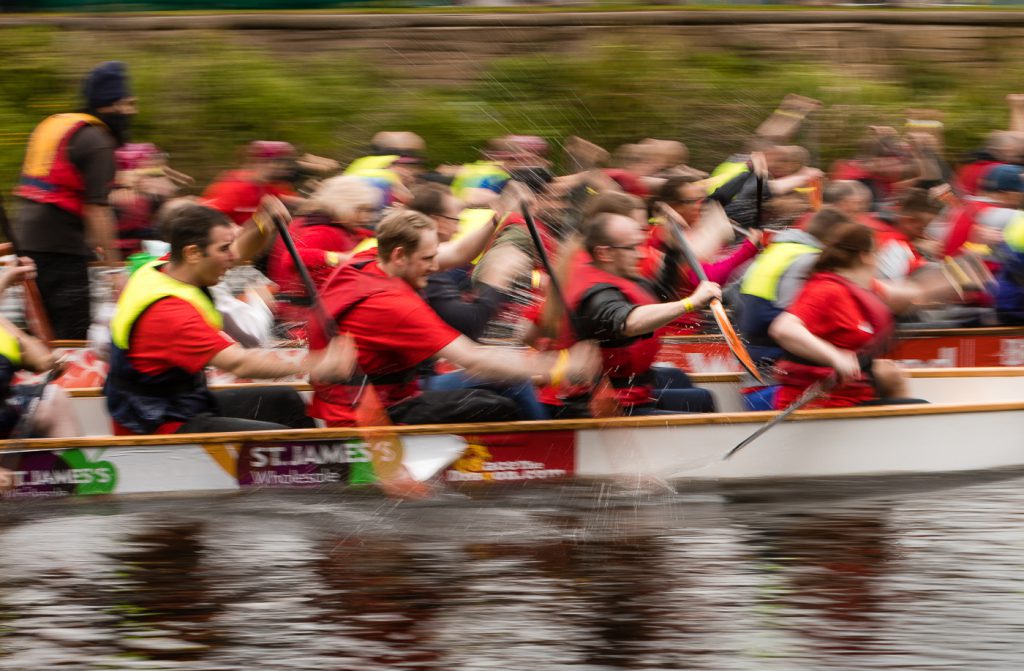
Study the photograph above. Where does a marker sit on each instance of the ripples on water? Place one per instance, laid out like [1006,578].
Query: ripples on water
[551,578]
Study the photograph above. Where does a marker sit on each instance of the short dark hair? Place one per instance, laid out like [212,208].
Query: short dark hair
[428,199]
[824,220]
[838,190]
[669,191]
[614,202]
[184,223]
[596,232]
[919,201]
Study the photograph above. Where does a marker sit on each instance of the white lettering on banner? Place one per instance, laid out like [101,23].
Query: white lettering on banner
[34,493]
[1011,351]
[512,465]
[506,471]
[534,471]
[947,358]
[292,478]
[258,456]
[73,476]
[305,455]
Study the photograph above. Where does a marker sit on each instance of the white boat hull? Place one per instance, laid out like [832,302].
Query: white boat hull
[810,448]
[979,431]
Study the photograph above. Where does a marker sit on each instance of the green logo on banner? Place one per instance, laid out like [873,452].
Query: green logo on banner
[91,477]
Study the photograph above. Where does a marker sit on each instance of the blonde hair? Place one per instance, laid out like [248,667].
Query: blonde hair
[341,196]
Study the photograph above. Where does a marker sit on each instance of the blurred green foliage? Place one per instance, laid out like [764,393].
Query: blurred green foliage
[203,95]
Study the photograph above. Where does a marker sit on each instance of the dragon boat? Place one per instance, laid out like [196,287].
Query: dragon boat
[970,424]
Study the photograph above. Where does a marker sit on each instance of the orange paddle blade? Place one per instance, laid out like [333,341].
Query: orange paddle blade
[386,451]
[602,400]
[739,350]
[816,194]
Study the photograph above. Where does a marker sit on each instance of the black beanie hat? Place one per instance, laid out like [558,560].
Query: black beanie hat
[105,84]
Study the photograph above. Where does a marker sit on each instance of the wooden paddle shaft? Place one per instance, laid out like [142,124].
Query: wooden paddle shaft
[811,393]
[326,323]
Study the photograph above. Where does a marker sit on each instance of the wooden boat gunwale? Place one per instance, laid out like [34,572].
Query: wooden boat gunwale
[660,421]
[697,378]
[986,331]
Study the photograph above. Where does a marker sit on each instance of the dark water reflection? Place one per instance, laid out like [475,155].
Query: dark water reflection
[900,577]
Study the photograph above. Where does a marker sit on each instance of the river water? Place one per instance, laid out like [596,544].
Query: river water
[896,575]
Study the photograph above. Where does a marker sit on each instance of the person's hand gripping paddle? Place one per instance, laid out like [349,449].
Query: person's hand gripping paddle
[736,345]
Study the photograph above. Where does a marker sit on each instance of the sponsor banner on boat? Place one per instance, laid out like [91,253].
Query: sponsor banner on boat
[304,464]
[924,352]
[56,473]
[515,457]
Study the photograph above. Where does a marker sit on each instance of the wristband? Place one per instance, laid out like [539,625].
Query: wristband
[557,373]
[688,305]
[260,226]
[795,115]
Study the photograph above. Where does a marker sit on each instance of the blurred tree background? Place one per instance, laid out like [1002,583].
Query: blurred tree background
[204,94]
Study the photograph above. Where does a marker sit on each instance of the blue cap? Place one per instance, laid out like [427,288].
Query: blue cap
[106,84]
[1003,177]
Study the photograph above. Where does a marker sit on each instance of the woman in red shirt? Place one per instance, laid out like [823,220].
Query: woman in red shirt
[836,323]
[329,226]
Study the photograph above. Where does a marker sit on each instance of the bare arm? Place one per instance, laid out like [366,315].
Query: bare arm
[516,366]
[793,336]
[798,179]
[101,231]
[927,286]
[258,232]
[35,356]
[646,318]
[455,253]
[708,235]
[502,265]
[333,364]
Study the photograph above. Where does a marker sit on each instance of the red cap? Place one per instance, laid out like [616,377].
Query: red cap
[270,149]
[136,155]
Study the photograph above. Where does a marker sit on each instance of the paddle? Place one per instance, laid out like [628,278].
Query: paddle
[35,315]
[23,428]
[881,342]
[811,393]
[603,403]
[385,447]
[736,345]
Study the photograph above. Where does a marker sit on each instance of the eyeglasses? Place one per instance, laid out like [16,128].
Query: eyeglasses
[632,248]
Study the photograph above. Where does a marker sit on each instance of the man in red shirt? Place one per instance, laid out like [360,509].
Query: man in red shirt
[376,299]
[166,330]
[901,246]
[237,193]
[1001,146]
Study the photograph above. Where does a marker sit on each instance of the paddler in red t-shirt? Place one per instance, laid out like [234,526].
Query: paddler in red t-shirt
[375,297]
[836,324]
[166,331]
[268,166]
